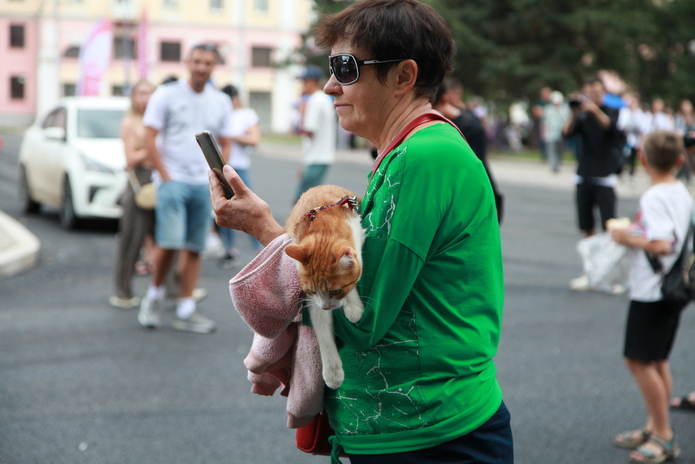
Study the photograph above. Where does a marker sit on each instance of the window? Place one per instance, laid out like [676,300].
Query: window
[171,3]
[72,51]
[123,47]
[170,51]
[216,5]
[261,6]
[16,35]
[17,87]
[260,57]
[69,89]
[99,123]
[55,118]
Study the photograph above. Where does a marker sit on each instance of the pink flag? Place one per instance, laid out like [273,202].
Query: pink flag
[142,46]
[95,55]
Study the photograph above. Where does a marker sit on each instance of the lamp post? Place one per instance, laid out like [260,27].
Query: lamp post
[48,62]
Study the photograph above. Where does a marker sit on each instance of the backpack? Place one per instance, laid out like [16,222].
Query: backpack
[678,284]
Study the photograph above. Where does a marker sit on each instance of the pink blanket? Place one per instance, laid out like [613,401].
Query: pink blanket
[284,352]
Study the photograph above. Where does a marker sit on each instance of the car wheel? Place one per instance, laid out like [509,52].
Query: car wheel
[67,209]
[27,203]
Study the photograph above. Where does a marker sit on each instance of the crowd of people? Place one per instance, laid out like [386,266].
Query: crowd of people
[160,149]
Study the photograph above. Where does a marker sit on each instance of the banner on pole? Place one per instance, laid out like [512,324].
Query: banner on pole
[95,55]
[142,46]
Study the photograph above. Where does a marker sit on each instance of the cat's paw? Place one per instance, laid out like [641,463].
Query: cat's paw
[353,312]
[333,377]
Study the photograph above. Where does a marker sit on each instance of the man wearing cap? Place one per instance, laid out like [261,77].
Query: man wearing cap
[318,130]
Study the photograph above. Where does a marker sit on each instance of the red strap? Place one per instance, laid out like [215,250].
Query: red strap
[422,119]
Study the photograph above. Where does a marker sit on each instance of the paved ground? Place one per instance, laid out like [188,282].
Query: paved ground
[81,382]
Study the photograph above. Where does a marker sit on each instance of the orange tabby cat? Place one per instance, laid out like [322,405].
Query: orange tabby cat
[328,238]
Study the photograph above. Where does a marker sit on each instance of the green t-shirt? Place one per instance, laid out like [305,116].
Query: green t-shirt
[418,366]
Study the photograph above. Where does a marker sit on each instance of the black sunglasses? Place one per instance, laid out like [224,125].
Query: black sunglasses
[346,68]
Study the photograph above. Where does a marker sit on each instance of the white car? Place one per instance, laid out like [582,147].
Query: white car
[73,159]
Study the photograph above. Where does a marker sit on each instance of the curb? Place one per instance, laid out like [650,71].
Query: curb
[19,248]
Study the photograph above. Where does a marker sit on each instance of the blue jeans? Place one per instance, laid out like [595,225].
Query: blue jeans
[227,235]
[491,443]
[182,216]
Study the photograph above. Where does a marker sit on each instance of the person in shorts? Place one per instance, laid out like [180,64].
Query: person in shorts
[660,230]
[176,112]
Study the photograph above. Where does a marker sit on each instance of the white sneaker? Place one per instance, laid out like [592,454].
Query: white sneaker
[199,294]
[196,323]
[617,289]
[214,248]
[124,303]
[149,314]
[580,284]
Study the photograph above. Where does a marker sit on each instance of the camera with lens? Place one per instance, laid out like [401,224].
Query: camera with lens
[577,101]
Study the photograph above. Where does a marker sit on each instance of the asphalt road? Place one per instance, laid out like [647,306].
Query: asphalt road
[81,382]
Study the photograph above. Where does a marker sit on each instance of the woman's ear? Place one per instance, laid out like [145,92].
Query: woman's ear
[406,76]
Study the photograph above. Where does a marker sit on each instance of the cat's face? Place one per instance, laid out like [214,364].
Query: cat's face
[327,273]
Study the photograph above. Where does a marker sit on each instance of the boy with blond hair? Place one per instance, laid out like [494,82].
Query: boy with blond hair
[660,229]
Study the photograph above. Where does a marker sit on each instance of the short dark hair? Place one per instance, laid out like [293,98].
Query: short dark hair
[448,84]
[394,29]
[230,90]
[208,47]
[594,79]
[662,149]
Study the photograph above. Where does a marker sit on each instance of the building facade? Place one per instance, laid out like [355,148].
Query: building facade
[40,43]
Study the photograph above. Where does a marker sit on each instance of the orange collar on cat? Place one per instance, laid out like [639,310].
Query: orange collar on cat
[351,203]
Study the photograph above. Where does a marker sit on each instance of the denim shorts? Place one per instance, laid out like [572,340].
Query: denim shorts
[182,216]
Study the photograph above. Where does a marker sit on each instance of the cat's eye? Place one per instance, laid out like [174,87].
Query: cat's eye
[335,292]
[310,292]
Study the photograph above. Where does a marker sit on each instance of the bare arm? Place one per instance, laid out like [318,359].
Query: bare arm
[657,247]
[226,148]
[252,137]
[245,211]
[135,152]
[153,153]
[598,114]
[568,128]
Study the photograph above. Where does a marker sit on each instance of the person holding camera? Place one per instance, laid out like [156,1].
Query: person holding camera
[595,125]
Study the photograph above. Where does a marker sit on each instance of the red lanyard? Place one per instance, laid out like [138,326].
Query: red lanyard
[422,119]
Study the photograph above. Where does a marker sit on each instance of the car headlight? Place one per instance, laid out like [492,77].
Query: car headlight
[92,165]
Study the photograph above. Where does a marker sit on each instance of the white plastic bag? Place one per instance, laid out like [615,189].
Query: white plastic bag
[605,262]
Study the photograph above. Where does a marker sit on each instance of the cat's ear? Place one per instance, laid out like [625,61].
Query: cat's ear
[297,252]
[348,259]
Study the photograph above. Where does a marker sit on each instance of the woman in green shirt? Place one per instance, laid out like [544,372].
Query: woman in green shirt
[420,383]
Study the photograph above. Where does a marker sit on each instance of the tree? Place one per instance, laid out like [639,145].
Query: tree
[509,49]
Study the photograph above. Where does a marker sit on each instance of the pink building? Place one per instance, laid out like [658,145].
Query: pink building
[40,43]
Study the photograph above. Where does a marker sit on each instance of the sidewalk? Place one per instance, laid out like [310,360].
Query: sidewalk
[19,248]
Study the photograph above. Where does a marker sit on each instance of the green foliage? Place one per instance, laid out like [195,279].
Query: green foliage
[509,49]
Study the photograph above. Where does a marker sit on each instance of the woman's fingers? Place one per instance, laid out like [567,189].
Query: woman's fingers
[235,181]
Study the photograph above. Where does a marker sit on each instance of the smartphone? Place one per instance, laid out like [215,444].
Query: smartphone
[214,158]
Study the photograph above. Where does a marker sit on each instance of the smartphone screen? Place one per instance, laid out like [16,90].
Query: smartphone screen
[214,158]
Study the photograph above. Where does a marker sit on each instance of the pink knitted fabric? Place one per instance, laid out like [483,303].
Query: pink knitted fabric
[284,352]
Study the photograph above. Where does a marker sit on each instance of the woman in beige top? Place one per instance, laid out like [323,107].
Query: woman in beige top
[136,224]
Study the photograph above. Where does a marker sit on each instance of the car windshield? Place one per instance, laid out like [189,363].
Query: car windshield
[99,123]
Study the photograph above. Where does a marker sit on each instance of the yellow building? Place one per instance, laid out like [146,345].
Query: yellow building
[41,40]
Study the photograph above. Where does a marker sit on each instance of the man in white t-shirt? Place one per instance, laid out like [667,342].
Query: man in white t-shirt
[175,113]
[319,131]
